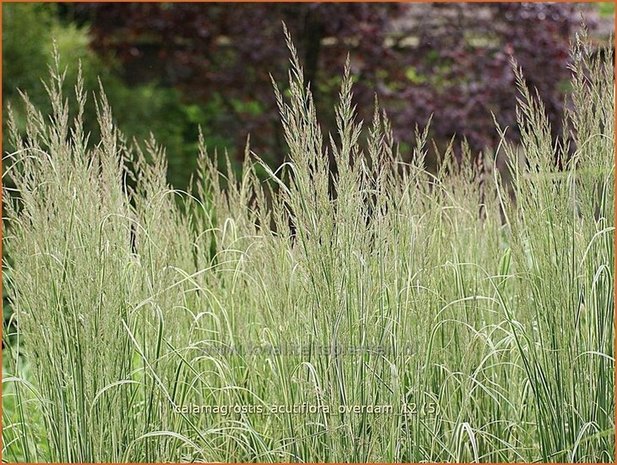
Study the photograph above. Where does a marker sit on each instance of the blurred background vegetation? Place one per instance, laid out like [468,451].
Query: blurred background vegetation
[171,68]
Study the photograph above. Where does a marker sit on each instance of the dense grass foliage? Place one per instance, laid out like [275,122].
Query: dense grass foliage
[139,308]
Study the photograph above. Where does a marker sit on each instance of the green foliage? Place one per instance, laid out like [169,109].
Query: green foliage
[491,319]
[25,39]
[29,34]
[606,9]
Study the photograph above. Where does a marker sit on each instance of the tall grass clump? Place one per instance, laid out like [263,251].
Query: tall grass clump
[270,321]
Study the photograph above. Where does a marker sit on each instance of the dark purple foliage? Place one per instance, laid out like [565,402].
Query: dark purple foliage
[450,60]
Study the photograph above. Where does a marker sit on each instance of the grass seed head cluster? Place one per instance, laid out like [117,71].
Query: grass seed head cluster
[489,311]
